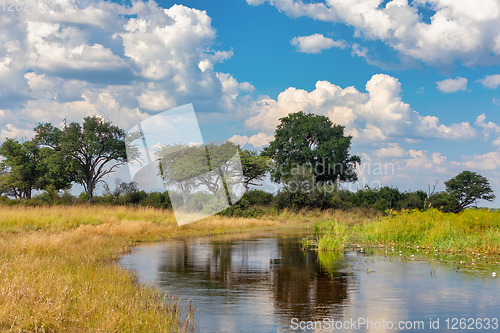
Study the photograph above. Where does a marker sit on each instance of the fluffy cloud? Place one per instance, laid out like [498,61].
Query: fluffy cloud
[488,128]
[121,62]
[165,42]
[457,30]
[257,140]
[452,85]
[416,168]
[377,115]
[155,100]
[489,161]
[393,150]
[55,47]
[421,160]
[491,81]
[315,43]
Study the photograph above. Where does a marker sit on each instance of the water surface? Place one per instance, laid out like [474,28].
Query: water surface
[265,282]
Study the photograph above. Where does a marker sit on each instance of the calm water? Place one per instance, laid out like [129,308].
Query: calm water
[265,283]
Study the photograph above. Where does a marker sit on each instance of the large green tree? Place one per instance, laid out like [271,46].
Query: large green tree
[467,188]
[96,148]
[22,167]
[26,167]
[315,142]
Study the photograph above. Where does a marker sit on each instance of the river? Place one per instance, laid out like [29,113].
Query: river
[265,282]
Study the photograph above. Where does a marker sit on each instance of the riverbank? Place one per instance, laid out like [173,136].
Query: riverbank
[58,267]
[471,231]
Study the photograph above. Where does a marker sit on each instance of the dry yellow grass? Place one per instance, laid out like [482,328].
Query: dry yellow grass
[58,270]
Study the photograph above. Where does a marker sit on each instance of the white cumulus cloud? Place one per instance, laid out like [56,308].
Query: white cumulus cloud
[491,81]
[257,140]
[393,150]
[109,59]
[452,85]
[466,31]
[316,43]
[377,115]
[488,161]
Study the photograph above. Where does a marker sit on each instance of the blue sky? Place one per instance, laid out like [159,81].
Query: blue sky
[416,83]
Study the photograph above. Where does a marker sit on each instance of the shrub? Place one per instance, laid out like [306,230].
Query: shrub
[379,198]
[258,197]
[443,201]
[248,205]
[301,190]
[412,200]
[157,200]
[341,200]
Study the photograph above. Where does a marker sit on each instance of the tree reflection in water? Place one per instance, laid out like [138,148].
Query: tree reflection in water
[259,283]
[298,283]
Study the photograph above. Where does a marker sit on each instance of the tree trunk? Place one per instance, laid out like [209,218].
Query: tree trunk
[226,188]
[90,192]
[185,195]
[89,197]
[26,193]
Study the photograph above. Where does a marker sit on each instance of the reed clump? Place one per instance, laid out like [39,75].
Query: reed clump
[473,230]
[334,229]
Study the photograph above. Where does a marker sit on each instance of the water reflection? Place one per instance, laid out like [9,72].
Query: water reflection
[303,288]
[259,282]
[291,281]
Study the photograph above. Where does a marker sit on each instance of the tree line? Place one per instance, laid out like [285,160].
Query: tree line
[56,158]
[309,156]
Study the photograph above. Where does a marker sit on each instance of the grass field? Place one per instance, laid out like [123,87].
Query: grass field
[59,272]
[472,230]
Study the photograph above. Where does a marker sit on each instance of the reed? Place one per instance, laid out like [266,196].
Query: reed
[473,230]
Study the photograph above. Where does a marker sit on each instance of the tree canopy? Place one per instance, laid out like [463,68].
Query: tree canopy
[26,167]
[95,148]
[314,141]
[192,168]
[467,188]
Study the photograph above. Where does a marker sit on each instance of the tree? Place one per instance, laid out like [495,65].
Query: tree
[221,158]
[95,149]
[302,190]
[123,188]
[467,188]
[27,166]
[181,166]
[212,167]
[314,141]
[21,168]
[443,201]
[255,167]
[413,200]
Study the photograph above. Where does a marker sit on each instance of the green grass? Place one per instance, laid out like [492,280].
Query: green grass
[335,236]
[333,231]
[470,231]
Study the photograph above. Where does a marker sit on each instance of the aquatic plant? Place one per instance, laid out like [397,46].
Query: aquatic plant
[471,230]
